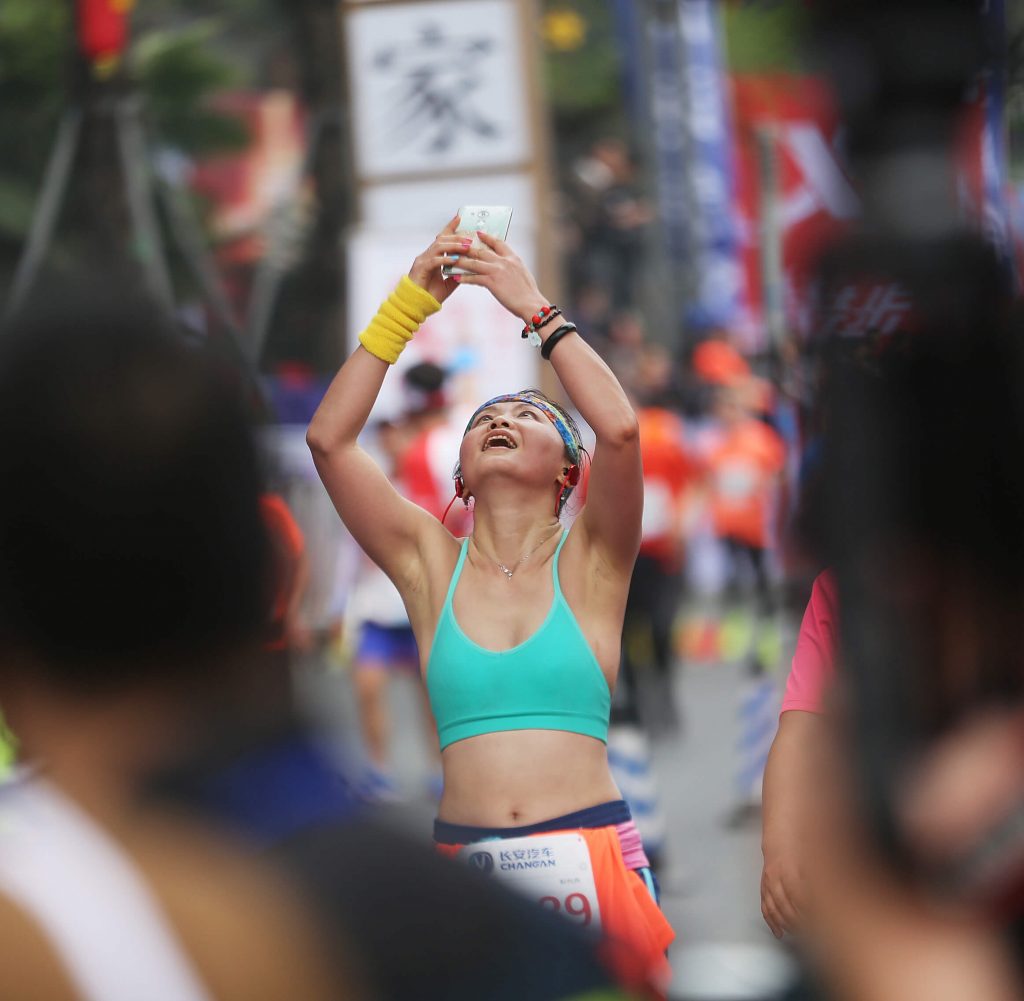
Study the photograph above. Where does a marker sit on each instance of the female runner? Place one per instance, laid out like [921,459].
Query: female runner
[519,625]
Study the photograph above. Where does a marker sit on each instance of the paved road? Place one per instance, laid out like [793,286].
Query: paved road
[711,884]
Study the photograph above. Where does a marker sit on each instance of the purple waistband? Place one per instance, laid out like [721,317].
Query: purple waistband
[632,846]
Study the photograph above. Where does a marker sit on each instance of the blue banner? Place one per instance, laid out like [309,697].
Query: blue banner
[713,231]
[627,18]
[995,208]
[668,124]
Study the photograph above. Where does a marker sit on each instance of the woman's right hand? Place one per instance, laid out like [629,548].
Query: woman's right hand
[426,269]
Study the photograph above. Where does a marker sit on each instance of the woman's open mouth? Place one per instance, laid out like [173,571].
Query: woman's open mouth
[499,440]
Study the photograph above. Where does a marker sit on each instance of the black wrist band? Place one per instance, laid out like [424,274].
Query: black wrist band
[549,344]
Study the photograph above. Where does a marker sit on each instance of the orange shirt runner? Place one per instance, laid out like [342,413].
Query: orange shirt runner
[743,467]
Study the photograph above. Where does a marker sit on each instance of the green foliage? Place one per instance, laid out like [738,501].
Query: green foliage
[178,72]
[763,36]
[32,45]
[33,52]
[585,80]
[242,15]
[16,200]
[1015,87]
[8,749]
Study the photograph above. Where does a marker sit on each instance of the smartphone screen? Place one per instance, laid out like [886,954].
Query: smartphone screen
[492,219]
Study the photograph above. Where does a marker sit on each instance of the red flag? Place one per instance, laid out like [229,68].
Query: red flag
[103,29]
[815,199]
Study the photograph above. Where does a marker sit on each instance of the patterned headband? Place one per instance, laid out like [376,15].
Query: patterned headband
[572,446]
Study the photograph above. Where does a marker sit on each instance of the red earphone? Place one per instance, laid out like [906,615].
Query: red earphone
[572,477]
[460,489]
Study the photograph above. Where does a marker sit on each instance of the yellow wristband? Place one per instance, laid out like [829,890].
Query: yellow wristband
[398,318]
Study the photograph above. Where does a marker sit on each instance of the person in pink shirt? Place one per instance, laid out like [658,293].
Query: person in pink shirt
[814,660]
[796,745]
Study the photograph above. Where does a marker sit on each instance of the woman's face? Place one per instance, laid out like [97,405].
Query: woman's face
[512,436]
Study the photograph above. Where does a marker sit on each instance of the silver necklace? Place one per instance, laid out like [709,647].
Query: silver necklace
[504,569]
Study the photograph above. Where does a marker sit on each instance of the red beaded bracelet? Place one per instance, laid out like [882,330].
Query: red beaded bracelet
[539,318]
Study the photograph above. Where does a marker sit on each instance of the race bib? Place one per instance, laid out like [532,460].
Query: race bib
[553,869]
[659,511]
[737,481]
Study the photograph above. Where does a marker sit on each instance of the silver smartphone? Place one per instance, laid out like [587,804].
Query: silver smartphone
[492,219]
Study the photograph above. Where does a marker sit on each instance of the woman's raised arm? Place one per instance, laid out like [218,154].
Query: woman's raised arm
[387,526]
[615,495]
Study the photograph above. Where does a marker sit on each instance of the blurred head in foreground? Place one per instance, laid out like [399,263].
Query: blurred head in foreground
[134,555]
[132,580]
[921,514]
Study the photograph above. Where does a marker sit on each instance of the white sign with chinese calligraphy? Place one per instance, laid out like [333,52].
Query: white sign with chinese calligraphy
[437,87]
[553,869]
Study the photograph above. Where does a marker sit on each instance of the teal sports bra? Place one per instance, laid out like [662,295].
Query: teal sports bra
[550,681]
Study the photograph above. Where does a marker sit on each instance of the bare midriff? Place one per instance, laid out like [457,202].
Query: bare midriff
[519,777]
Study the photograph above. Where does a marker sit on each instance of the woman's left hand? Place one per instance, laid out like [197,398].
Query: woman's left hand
[499,270]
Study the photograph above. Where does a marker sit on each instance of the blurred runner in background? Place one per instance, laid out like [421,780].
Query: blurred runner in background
[670,484]
[744,465]
[424,469]
[643,703]
[612,215]
[288,630]
[385,647]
